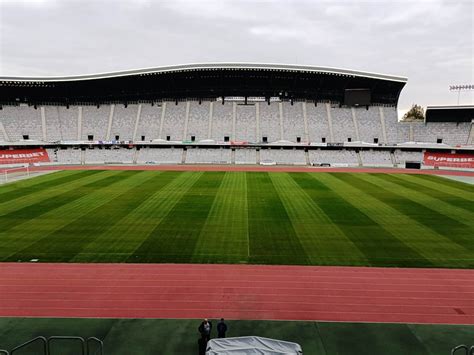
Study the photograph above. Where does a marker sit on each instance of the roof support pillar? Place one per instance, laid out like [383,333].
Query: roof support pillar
[137,120]
[209,127]
[163,112]
[111,118]
[356,124]
[79,123]
[280,109]
[305,119]
[382,121]
[43,123]
[328,113]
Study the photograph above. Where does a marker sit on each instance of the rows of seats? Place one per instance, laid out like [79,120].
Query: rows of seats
[343,125]
[95,121]
[22,122]
[283,156]
[270,122]
[198,121]
[343,157]
[402,156]
[370,125]
[443,132]
[123,122]
[254,122]
[245,156]
[318,124]
[208,156]
[65,156]
[376,158]
[160,155]
[293,121]
[149,122]
[114,155]
[246,126]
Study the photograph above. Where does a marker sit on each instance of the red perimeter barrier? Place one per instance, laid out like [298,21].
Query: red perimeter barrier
[17,156]
[449,160]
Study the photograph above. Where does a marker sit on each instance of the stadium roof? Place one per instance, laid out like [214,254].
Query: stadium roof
[205,80]
[451,113]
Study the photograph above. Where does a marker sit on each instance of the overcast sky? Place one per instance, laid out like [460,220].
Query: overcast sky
[430,42]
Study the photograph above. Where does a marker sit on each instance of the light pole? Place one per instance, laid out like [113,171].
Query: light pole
[460,88]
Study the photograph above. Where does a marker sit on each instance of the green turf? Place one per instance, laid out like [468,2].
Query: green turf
[239,217]
[155,336]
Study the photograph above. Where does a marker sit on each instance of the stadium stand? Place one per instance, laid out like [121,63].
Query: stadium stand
[208,156]
[123,123]
[53,123]
[375,158]
[343,125]
[402,156]
[198,123]
[370,127]
[148,127]
[245,156]
[210,117]
[293,122]
[222,114]
[334,157]
[270,123]
[109,156]
[173,124]
[246,123]
[283,156]
[22,122]
[65,156]
[68,119]
[160,155]
[318,126]
[95,122]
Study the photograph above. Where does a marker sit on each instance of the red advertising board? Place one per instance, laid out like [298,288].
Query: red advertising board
[449,160]
[23,156]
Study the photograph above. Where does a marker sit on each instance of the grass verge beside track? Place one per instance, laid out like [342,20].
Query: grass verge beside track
[156,336]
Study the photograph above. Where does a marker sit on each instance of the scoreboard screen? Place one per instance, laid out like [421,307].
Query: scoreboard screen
[357,97]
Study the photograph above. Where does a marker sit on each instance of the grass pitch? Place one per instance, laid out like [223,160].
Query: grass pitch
[239,217]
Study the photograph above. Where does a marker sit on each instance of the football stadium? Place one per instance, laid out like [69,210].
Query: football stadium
[287,199]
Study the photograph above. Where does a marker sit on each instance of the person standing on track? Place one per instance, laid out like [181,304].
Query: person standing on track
[221,329]
[205,329]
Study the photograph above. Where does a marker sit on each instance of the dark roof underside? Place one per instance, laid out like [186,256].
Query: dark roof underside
[450,114]
[199,83]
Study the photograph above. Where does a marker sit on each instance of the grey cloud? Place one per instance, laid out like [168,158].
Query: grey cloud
[430,42]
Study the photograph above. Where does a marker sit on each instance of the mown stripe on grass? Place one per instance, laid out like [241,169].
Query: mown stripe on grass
[272,237]
[52,182]
[118,243]
[174,239]
[36,209]
[224,236]
[72,205]
[428,199]
[64,243]
[430,245]
[439,223]
[379,246]
[30,199]
[438,183]
[443,193]
[323,241]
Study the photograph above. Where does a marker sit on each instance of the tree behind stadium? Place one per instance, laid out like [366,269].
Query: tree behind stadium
[414,114]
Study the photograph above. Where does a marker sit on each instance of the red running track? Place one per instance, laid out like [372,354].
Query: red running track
[349,294]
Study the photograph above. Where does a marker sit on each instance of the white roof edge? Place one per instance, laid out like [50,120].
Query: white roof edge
[446,107]
[209,66]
